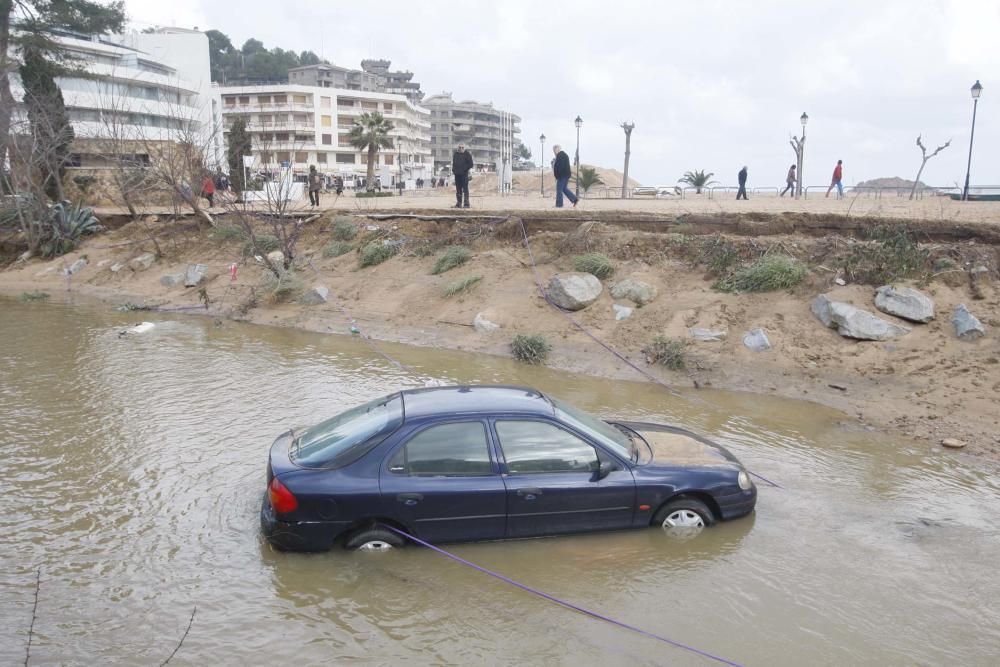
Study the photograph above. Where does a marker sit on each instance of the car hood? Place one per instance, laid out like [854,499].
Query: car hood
[670,445]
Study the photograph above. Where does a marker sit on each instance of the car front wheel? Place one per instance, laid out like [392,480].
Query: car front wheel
[684,517]
[373,539]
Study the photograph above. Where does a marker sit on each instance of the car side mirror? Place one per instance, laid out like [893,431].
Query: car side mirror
[604,469]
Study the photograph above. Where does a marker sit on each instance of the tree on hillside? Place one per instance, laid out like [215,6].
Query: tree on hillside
[697,180]
[238,145]
[923,163]
[522,154]
[589,178]
[252,46]
[370,132]
[308,58]
[48,120]
[220,52]
[35,20]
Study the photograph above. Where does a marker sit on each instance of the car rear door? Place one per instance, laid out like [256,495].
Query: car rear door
[444,482]
[552,481]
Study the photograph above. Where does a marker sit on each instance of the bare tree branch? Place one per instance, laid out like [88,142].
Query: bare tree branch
[183,637]
[925,157]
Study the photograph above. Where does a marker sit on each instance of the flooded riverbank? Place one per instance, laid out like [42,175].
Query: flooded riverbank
[135,465]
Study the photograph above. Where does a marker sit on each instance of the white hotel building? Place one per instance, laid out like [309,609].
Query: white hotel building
[300,126]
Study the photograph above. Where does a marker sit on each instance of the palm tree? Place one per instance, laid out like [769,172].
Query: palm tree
[589,178]
[697,180]
[371,132]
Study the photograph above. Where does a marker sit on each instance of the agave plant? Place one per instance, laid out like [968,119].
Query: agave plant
[589,178]
[63,226]
[697,180]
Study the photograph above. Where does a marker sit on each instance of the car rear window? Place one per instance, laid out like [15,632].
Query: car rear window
[350,435]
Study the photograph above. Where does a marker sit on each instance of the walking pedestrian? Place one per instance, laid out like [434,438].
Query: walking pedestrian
[742,178]
[790,181]
[208,190]
[315,185]
[838,178]
[562,172]
[461,165]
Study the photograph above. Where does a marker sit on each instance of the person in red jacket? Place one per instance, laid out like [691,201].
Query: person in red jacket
[208,190]
[838,177]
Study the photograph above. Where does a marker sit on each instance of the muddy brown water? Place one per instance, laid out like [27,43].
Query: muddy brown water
[133,469]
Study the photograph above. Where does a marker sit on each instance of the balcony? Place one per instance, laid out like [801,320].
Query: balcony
[250,107]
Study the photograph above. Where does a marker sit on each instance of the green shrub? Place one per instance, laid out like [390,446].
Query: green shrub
[944,264]
[719,255]
[35,295]
[62,227]
[264,243]
[530,349]
[376,253]
[767,274]
[284,287]
[337,248]
[226,232]
[595,264]
[344,229]
[463,285]
[894,254]
[669,352]
[453,256]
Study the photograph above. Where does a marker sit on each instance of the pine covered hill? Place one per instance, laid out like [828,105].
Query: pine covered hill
[252,63]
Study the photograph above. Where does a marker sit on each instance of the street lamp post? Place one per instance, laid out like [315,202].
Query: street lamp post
[578,122]
[977,88]
[541,162]
[804,118]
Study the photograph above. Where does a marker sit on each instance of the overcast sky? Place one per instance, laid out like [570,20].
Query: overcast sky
[710,85]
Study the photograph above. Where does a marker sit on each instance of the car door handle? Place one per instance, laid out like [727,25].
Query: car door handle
[529,494]
[410,498]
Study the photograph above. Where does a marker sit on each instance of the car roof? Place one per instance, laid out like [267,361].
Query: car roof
[466,399]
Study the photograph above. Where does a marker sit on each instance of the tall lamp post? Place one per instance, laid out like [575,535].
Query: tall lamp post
[804,118]
[977,89]
[578,122]
[541,160]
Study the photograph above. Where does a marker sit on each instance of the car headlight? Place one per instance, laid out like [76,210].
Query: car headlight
[744,480]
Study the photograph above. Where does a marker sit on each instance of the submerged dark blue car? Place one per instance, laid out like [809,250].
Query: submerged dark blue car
[453,464]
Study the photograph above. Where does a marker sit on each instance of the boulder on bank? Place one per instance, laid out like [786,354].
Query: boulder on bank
[852,322]
[315,295]
[636,291]
[756,340]
[483,325]
[276,257]
[967,325]
[142,262]
[171,279]
[574,291]
[76,266]
[621,312]
[195,274]
[905,302]
[707,335]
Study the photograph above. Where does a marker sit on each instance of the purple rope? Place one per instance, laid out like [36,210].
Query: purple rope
[563,603]
[619,355]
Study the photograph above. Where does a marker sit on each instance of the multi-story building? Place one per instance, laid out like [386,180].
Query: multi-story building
[478,126]
[147,87]
[374,76]
[299,126]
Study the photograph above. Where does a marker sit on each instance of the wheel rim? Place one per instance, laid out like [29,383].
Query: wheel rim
[683,524]
[375,545]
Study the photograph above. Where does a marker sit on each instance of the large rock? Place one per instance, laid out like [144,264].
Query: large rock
[171,279]
[967,325]
[483,325]
[621,312]
[142,262]
[756,340]
[315,295]
[574,291]
[276,257]
[852,322]
[118,266]
[707,335]
[195,274]
[636,291]
[75,267]
[904,302]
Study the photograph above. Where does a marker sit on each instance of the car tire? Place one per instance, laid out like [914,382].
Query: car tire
[684,516]
[373,539]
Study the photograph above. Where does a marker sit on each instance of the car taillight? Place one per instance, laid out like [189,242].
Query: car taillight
[282,499]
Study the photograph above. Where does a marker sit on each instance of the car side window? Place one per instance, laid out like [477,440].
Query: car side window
[456,450]
[536,447]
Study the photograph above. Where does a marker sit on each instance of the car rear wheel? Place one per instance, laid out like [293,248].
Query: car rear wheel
[684,517]
[373,539]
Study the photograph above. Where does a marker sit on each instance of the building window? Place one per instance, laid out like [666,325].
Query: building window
[321,158]
[244,99]
[263,99]
[302,158]
[324,102]
[387,106]
[388,159]
[281,99]
[345,158]
[230,101]
[299,99]
[369,106]
[266,158]
[327,140]
[326,121]
[283,156]
[303,138]
[281,136]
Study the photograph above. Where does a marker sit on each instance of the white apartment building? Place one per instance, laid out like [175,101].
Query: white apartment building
[477,125]
[299,126]
[146,87]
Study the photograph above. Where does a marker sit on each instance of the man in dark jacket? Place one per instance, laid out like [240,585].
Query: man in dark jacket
[461,165]
[742,177]
[562,171]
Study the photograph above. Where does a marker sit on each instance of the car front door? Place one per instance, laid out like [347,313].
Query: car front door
[443,482]
[553,485]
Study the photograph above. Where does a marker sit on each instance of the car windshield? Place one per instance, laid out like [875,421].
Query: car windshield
[600,430]
[349,435]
